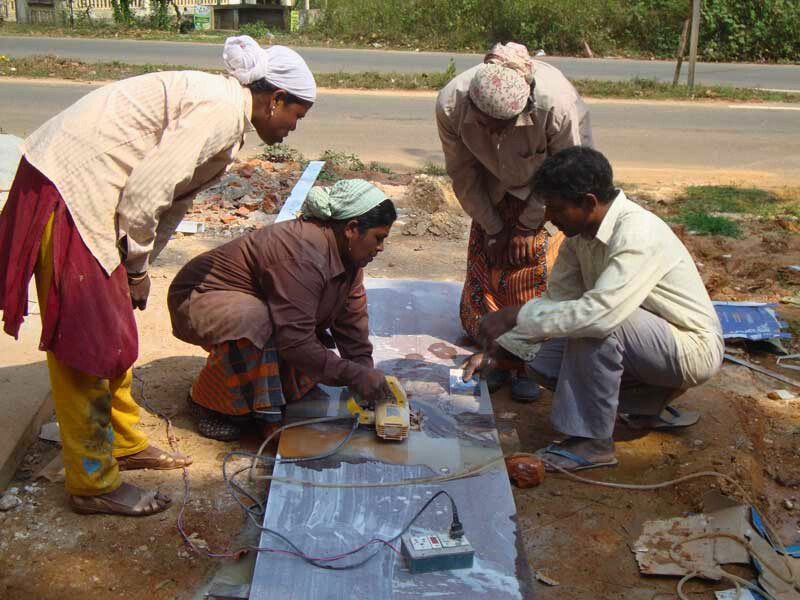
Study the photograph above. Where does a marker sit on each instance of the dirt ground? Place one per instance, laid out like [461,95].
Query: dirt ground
[578,535]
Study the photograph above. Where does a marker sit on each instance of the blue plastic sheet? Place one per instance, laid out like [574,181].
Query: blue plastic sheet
[750,321]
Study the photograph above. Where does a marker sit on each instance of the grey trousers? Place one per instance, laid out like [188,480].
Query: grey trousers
[635,369]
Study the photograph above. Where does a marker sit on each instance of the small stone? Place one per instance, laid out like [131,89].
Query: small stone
[788,504]
[227,219]
[259,218]
[250,202]
[246,170]
[142,548]
[781,395]
[9,501]
[697,443]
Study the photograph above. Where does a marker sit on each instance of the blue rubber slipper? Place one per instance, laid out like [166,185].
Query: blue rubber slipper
[525,390]
[581,463]
[670,418]
[497,379]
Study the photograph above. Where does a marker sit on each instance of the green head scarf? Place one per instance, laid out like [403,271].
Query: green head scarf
[345,199]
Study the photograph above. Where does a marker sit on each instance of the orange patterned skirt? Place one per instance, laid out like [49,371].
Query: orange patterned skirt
[488,289]
[240,379]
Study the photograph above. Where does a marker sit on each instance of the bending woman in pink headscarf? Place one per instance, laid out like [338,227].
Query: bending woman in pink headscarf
[498,122]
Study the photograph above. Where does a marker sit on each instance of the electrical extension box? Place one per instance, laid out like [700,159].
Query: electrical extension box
[436,552]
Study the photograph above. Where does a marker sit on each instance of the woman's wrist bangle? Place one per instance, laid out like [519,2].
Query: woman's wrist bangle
[137,276]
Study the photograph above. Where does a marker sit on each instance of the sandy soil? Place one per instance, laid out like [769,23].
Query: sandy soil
[576,534]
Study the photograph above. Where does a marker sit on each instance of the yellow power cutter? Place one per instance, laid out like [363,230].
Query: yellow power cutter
[391,416]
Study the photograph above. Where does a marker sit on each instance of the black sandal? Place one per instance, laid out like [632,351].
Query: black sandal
[213,425]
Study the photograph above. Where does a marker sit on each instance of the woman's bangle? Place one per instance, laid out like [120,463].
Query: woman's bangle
[136,277]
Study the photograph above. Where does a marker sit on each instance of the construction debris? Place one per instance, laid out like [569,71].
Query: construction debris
[9,500]
[50,432]
[762,370]
[734,595]
[433,209]
[540,576]
[781,395]
[698,545]
[246,197]
[662,548]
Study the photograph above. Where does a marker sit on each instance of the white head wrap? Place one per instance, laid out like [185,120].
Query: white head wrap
[501,86]
[281,66]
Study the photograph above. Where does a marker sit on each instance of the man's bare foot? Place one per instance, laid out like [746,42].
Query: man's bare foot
[153,458]
[127,500]
[577,454]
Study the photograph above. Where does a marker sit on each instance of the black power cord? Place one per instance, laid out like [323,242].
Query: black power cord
[317,562]
[256,510]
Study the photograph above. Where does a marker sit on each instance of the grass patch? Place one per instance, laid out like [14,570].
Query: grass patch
[703,208]
[379,168]
[740,200]
[342,160]
[651,89]
[729,198]
[281,153]
[65,68]
[432,168]
[371,80]
[644,89]
[336,162]
[702,223]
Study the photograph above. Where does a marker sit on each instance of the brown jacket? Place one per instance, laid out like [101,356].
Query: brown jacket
[285,283]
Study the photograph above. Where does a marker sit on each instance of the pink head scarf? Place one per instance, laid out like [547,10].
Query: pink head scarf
[502,85]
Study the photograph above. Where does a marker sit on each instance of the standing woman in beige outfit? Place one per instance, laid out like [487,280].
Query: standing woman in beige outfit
[498,122]
[99,191]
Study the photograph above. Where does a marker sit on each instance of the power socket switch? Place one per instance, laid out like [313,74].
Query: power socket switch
[436,552]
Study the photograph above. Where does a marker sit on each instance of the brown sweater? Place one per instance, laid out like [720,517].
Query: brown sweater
[285,283]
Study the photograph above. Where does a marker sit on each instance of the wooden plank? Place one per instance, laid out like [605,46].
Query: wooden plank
[300,191]
[415,329]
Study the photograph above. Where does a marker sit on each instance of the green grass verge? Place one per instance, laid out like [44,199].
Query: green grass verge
[432,168]
[650,89]
[643,89]
[740,200]
[699,222]
[703,208]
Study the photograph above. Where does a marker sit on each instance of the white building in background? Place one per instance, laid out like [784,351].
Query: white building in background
[55,11]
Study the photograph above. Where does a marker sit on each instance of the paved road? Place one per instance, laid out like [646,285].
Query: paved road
[327,60]
[645,141]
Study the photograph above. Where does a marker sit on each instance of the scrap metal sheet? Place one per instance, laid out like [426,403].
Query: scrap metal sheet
[415,328]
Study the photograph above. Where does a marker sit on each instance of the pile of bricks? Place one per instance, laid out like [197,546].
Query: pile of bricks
[248,196]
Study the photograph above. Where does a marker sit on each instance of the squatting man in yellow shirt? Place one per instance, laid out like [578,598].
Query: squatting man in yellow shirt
[626,323]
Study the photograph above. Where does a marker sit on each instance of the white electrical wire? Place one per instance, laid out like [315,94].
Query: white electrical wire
[737,581]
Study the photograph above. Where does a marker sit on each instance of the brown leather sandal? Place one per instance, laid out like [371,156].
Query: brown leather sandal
[153,458]
[149,503]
